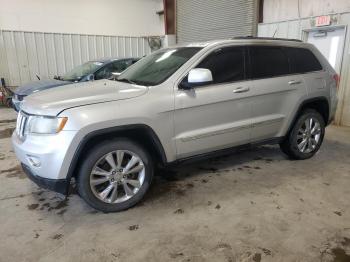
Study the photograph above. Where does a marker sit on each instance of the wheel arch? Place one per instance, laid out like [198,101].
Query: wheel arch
[140,133]
[320,104]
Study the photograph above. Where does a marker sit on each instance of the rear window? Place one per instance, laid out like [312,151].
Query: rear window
[268,61]
[302,60]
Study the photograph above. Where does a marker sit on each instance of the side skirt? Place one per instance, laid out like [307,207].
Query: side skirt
[223,152]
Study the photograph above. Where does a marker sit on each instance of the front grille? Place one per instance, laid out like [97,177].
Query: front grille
[21,124]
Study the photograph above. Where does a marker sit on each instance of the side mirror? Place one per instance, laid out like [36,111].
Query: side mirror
[90,77]
[200,76]
[197,77]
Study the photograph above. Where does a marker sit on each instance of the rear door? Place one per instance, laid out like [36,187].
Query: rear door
[305,63]
[277,91]
[216,115]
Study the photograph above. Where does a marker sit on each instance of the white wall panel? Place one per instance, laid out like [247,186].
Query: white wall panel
[25,54]
[103,17]
[277,10]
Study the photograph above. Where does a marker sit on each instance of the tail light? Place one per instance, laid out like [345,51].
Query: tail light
[336,77]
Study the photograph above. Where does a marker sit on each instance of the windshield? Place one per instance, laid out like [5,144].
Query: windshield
[79,72]
[157,67]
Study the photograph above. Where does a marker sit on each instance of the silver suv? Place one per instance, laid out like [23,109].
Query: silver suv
[178,103]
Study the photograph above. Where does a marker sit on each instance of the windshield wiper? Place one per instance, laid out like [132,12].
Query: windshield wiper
[126,81]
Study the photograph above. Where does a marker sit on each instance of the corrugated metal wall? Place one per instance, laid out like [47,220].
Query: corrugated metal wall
[200,20]
[25,54]
[295,29]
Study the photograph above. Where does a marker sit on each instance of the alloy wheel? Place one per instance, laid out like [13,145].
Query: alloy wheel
[117,176]
[309,135]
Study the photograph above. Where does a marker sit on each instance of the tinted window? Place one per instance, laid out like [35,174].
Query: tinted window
[120,66]
[105,72]
[268,62]
[302,60]
[114,67]
[226,65]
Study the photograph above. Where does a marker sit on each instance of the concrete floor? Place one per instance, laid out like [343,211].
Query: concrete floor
[251,206]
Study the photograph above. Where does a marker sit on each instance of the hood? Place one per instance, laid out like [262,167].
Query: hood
[32,87]
[51,102]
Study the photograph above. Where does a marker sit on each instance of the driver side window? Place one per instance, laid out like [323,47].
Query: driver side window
[226,65]
[105,72]
[114,67]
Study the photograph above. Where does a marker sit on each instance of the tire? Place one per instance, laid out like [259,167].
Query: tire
[93,182]
[292,145]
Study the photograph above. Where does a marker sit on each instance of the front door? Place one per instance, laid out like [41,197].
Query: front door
[216,115]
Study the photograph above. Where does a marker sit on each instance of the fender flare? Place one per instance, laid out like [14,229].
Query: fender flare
[78,151]
[300,108]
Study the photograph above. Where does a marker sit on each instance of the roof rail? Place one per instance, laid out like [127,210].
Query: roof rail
[266,38]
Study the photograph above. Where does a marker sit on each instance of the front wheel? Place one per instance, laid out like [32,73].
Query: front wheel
[306,136]
[115,175]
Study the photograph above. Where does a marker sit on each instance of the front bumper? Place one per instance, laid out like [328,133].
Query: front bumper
[51,154]
[57,185]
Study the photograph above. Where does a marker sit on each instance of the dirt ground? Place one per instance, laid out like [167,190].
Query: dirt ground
[254,205]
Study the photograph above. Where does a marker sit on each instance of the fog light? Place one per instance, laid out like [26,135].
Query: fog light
[34,161]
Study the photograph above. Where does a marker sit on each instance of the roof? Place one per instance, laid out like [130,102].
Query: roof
[266,38]
[247,40]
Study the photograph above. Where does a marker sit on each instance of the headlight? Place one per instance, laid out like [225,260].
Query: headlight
[45,125]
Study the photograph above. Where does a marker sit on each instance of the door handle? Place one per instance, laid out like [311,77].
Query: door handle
[241,90]
[294,82]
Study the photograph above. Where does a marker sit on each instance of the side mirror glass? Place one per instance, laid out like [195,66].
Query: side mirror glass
[90,77]
[197,77]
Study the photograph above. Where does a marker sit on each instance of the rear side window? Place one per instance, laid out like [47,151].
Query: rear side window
[268,61]
[226,64]
[302,60]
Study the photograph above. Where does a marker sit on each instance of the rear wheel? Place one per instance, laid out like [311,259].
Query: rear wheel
[115,175]
[306,136]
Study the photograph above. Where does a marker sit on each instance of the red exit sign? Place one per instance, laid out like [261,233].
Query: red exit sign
[323,20]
